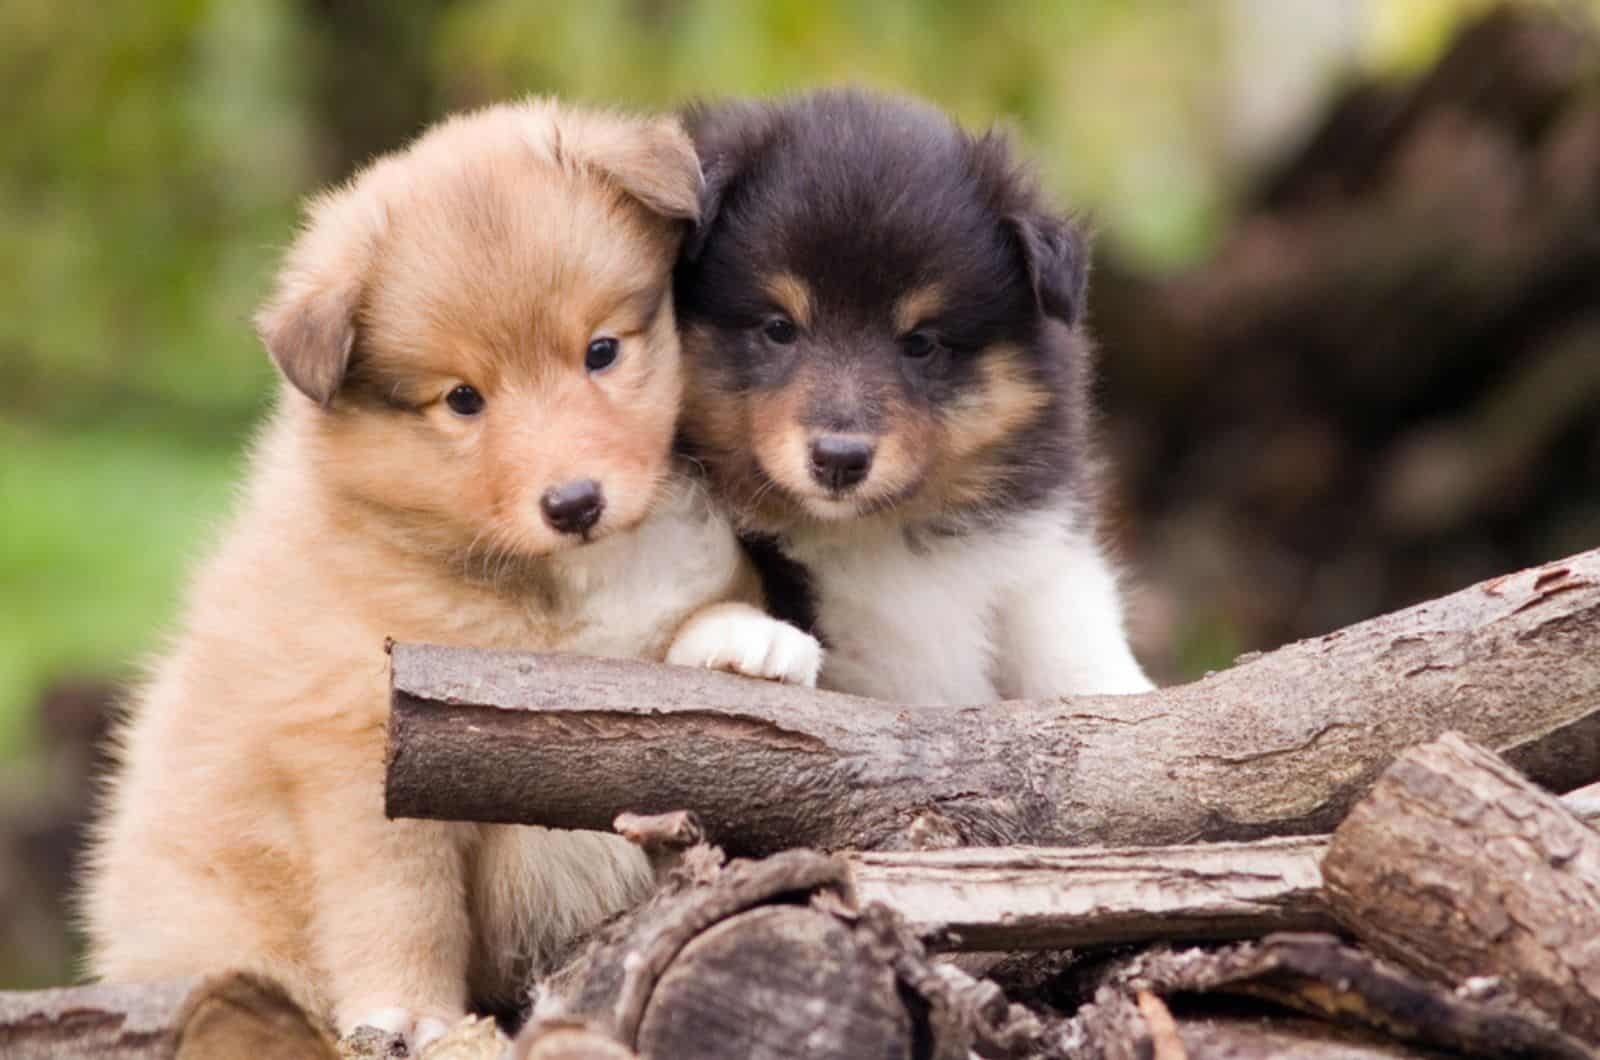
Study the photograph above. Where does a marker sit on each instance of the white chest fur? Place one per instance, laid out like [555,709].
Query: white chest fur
[1031,609]
[631,591]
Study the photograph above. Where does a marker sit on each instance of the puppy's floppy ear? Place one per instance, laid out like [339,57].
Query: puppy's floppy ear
[1054,250]
[309,323]
[719,174]
[728,137]
[1057,259]
[651,159]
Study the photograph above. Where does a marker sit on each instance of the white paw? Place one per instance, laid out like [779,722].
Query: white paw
[747,641]
[428,1031]
[418,1031]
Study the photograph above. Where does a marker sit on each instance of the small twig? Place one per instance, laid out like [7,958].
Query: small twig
[1164,1040]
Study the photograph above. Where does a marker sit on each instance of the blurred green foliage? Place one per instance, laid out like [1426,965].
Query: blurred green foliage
[154,152]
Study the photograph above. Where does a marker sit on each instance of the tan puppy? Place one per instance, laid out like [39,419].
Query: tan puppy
[482,375]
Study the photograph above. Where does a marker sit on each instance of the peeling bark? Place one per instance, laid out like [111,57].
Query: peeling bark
[1010,898]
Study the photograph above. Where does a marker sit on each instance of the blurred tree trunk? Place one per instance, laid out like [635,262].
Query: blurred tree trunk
[1386,383]
[373,85]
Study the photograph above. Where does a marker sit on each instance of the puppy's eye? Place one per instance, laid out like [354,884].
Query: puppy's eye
[464,401]
[780,330]
[919,345]
[602,354]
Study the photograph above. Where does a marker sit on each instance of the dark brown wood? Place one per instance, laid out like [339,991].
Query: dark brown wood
[1457,866]
[1322,977]
[734,961]
[773,959]
[1281,743]
[609,983]
[962,1016]
[781,963]
[778,981]
[665,838]
[227,1017]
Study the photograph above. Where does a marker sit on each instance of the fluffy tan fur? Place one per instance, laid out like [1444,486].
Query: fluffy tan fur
[244,824]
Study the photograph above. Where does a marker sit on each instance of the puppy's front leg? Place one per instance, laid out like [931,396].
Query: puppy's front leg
[1060,629]
[389,917]
[746,640]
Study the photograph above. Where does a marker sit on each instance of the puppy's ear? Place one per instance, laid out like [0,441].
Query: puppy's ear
[719,174]
[655,163]
[1057,259]
[651,160]
[728,137]
[309,323]
[1054,250]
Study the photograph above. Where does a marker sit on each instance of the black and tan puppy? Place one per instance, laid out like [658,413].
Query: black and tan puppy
[891,388]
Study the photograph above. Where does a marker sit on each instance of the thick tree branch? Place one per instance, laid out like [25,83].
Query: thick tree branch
[1283,743]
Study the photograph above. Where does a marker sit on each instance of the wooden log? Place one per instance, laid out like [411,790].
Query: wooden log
[1028,898]
[228,1017]
[777,981]
[609,983]
[1379,1005]
[723,962]
[771,959]
[1458,867]
[1283,743]
[1011,898]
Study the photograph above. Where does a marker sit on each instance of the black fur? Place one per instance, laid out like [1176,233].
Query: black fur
[785,583]
[865,197]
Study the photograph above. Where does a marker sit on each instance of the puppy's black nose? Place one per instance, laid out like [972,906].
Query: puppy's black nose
[574,507]
[839,463]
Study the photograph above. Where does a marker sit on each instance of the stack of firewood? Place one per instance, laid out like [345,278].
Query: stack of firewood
[1385,384]
[1345,848]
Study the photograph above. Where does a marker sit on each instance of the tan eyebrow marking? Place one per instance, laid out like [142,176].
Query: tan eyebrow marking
[916,306]
[791,295]
[1006,402]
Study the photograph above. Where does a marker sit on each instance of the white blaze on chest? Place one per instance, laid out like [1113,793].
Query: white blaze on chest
[632,590]
[913,622]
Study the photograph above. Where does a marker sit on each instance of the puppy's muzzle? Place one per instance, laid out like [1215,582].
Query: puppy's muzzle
[839,462]
[573,508]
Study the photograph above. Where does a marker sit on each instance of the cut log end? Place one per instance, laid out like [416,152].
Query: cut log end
[1460,868]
